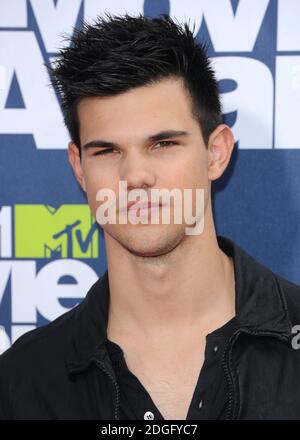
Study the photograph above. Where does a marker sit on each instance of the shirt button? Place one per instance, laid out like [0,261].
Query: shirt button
[200,404]
[148,415]
[216,348]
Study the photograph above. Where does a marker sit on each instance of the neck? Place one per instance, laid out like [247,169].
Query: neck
[191,289]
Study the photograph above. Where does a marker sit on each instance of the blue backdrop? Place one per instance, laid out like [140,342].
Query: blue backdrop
[50,250]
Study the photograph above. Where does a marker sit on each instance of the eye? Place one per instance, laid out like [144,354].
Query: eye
[166,144]
[103,152]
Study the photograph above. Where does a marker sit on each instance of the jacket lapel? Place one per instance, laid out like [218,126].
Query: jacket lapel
[260,305]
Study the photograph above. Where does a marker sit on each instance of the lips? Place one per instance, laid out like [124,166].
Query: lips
[142,205]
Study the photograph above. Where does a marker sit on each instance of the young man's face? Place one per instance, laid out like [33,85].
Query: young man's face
[128,120]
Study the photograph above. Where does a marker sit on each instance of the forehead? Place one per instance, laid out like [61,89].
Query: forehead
[151,107]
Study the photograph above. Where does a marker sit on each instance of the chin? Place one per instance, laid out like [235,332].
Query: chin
[152,242]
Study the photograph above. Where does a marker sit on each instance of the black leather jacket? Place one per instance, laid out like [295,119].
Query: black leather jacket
[63,371]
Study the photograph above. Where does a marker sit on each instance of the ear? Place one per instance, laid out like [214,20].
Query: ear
[220,147]
[75,161]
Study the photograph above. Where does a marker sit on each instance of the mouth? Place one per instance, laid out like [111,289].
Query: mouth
[146,206]
[133,206]
[142,210]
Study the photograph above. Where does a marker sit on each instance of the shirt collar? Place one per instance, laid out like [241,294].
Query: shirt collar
[260,304]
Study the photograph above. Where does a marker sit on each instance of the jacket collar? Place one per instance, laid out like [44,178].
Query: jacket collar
[260,305]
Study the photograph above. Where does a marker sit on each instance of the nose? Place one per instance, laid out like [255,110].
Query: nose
[137,169]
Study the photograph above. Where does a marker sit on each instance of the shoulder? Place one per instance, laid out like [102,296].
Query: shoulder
[39,345]
[291,297]
[34,364]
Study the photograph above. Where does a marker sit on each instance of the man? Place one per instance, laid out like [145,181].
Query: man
[180,326]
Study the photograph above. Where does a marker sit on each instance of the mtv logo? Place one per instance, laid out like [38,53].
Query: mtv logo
[42,231]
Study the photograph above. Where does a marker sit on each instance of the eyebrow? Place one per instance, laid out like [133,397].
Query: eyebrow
[166,134]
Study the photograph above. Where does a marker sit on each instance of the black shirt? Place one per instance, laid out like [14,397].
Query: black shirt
[210,397]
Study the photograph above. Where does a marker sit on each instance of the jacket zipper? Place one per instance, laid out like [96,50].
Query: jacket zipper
[228,366]
[104,369]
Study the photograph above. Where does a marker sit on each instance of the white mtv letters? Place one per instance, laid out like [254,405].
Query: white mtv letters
[229,31]
[287,102]
[5,232]
[41,292]
[92,8]
[241,28]
[32,292]
[288,29]
[4,340]
[20,54]
[13,14]
[253,127]
[55,20]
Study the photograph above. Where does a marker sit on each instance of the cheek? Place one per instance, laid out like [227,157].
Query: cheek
[190,172]
[94,183]
[95,177]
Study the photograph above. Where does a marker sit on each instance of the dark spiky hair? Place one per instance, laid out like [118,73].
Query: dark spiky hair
[119,52]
